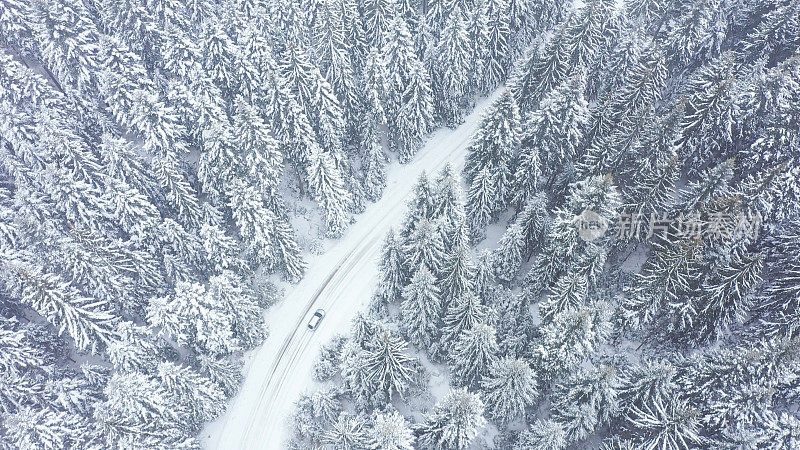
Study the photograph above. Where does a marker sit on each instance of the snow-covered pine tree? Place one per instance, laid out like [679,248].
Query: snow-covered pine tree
[727,294]
[422,206]
[484,275]
[290,124]
[15,32]
[425,246]
[354,30]
[219,162]
[120,161]
[449,201]
[67,41]
[777,307]
[449,67]
[483,203]
[586,400]
[347,433]
[375,101]
[391,432]
[508,257]
[196,398]
[414,117]
[42,428]
[21,355]
[574,45]
[573,335]
[641,86]
[647,382]
[392,269]
[258,149]
[409,107]
[509,388]
[316,97]
[327,366]
[671,274]
[22,384]
[254,220]
[473,353]
[455,421]
[707,122]
[354,375]
[476,27]
[495,144]
[766,108]
[314,413]
[286,250]
[569,291]
[523,19]
[696,35]
[565,250]
[122,73]
[388,365]
[163,135]
[644,10]
[534,221]
[464,313]
[335,54]
[137,411]
[546,434]
[377,18]
[512,316]
[699,195]
[220,56]
[422,308]
[666,423]
[133,352]
[192,316]
[325,181]
[436,17]
[652,190]
[289,21]
[550,139]
[364,330]
[541,70]
[457,270]
[89,322]
[224,372]
[498,56]
[231,293]
[775,32]
[374,167]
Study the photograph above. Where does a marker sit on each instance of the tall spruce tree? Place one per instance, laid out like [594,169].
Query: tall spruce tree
[422,308]
[454,422]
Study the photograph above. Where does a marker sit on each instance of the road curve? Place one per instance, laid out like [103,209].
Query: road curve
[341,282]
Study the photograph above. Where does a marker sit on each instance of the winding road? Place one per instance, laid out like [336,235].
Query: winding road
[341,282]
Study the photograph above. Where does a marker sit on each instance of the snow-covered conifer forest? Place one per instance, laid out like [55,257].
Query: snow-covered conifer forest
[614,263]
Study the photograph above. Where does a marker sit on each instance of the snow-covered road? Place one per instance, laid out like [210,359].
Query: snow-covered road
[341,282]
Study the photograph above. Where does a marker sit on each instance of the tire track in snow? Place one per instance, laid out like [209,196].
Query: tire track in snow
[303,344]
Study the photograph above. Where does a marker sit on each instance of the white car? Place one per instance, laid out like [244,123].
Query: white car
[313,323]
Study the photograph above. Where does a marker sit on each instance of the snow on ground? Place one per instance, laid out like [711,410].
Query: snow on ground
[341,282]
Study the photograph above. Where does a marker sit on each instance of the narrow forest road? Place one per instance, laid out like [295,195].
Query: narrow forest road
[341,282]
